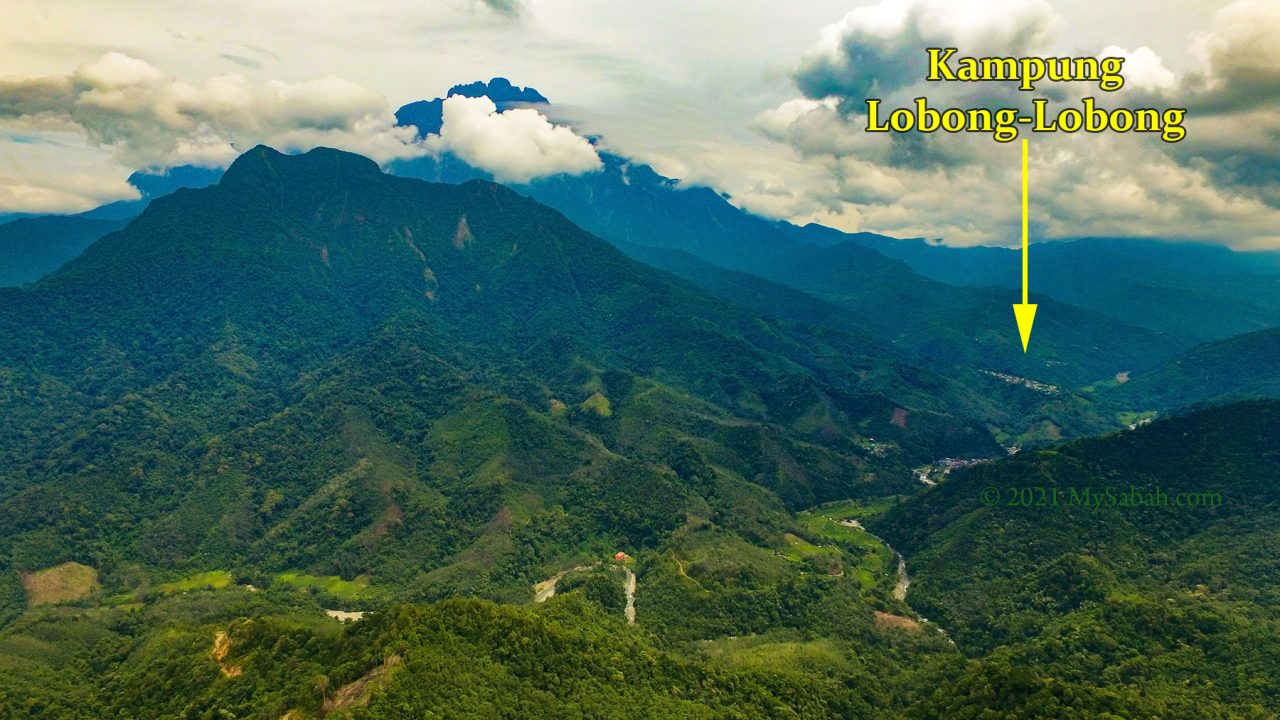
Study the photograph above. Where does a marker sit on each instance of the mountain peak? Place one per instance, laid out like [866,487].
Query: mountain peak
[499,90]
[153,183]
[266,166]
[427,115]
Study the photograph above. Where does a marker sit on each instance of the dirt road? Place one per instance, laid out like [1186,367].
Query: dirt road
[904,581]
[630,610]
[546,589]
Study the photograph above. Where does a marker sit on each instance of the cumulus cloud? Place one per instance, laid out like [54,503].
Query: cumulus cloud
[142,117]
[775,123]
[1219,184]
[1233,101]
[516,146]
[58,172]
[1241,54]
[1143,69]
[147,118]
[879,48]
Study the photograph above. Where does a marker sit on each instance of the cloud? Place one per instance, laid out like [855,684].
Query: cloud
[516,146]
[241,60]
[58,172]
[1233,101]
[504,7]
[1221,183]
[1241,54]
[775,123]
[1143,69]
[879,48]
[147,118]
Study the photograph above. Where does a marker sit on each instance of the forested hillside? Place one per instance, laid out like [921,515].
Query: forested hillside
[1159,593]
[317,368]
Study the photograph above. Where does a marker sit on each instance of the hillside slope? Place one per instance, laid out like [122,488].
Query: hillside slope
[1165,579]
[1237,368]
[313,366]
[1199,292]
[932,323]
[31,248]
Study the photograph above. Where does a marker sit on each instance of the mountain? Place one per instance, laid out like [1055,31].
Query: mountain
[952,330]
[551,480]
[427,115]
[33,247]
[316,386]
[1194,291]
[1237,368]
[1022,413]
[313,367]
[1132,574]
[934,324]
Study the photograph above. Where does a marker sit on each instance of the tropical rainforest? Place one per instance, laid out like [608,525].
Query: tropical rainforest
[319,440]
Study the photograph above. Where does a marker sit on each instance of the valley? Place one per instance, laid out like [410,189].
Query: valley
[384,439]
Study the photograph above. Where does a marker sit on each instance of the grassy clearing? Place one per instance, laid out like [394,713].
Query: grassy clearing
[775,651]
[798,548]
[875,560]
[854,509]
[1130,417]
[598,404]
[330,584]
[60,583]
[211,580]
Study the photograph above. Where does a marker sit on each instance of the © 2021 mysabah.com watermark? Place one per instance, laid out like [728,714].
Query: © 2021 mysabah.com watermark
[1096,497]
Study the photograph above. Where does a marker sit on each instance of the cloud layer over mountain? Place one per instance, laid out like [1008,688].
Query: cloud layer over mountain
[761,101]
[1218,184]
[516,146]
[146,118]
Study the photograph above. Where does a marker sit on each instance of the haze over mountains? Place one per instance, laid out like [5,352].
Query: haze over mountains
[314,386]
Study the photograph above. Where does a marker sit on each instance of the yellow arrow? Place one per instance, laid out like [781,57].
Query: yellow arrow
[1025,312]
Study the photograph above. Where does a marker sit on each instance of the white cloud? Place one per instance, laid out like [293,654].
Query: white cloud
[775,122]
[1241,54]
[1217,185]
[58,172]
[879,48]
[1143,68]
[516,146]
[147,118]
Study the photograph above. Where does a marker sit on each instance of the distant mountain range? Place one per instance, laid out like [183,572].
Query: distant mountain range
[428,115]
[32,247]
[1196,292]
[1131,304]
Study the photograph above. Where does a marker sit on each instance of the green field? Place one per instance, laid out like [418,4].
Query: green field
[876,561]
[211,580]
[332,584]
[798,548]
